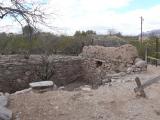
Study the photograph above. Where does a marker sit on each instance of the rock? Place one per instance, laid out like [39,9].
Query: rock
[61,88]
[107,81]
[5,114]
[23,91]
[3,100]
[141,64]
[42,86]
[138,67]
[104,81]
[85,88]
[130,70]
[138,59]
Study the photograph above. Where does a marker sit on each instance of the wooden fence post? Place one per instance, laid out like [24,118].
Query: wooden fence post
[139,89]
[146,54]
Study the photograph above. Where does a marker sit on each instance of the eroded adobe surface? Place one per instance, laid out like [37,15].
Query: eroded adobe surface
[92,66]
[115,58]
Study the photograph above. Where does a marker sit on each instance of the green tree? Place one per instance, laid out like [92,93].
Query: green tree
[90,32]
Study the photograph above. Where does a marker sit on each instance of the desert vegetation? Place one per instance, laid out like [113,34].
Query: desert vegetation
[50,43]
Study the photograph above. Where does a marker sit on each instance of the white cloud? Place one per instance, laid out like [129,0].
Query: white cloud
[100,5]
[102,15]
[81,14]
[99,15]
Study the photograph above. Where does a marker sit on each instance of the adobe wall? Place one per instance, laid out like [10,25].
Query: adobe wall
[115,58]
[16,71]
[92,66]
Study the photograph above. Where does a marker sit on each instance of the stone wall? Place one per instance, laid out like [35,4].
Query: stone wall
[67,69]
[16,72]
[95,71]
[92,66]
[115,58]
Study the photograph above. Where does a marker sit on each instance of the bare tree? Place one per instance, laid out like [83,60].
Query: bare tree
[23,11]
[45,70]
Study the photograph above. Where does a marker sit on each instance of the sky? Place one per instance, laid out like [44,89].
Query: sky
[98,15]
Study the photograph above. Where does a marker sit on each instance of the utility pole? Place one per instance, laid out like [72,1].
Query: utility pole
[141,40]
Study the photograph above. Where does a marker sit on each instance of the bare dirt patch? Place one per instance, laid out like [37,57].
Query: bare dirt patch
[115,102]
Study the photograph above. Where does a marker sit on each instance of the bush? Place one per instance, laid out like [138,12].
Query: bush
[149,44]
[45,70]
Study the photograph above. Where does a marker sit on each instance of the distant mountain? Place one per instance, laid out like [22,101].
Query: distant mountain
[152,33]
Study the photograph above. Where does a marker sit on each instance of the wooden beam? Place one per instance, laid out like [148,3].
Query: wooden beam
[139,89]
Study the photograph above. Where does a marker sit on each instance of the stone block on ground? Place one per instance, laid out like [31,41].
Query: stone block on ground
[42,85]
[5,114]
[141,64]
[138,59]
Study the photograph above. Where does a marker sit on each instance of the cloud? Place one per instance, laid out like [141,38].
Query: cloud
[83,14]
[100,5]
[99,15]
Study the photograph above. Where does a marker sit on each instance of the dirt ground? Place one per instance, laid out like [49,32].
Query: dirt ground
[115,102]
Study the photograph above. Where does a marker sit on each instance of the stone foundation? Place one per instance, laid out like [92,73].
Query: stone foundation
[92,66]
[16,72]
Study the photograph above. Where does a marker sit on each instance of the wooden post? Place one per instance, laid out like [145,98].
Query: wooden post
[157,51]
[146,54]
[139,89]
[141,39]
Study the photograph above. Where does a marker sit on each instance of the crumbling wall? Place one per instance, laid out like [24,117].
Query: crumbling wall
[92,66]
[115,58]
[16,72]
[95,71]
[67,69]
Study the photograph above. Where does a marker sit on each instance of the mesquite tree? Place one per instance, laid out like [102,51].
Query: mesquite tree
[25,12]
[30,13]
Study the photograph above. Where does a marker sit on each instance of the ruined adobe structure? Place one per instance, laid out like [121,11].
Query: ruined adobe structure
[114,58]
[91,66]
[16,72]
